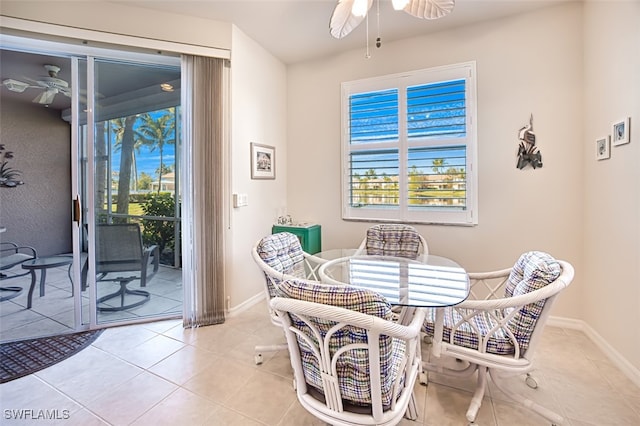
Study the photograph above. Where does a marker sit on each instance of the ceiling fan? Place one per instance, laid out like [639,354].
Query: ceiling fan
[348,14]
[50,84]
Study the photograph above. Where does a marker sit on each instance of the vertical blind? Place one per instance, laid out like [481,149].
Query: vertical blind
[203,208]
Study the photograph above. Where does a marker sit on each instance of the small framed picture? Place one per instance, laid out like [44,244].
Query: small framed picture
[620,132]
[602,148]
[263,161]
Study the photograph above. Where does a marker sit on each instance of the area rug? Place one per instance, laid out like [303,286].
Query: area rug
[24,357]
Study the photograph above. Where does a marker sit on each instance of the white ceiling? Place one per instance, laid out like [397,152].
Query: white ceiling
[298,30]
[292,30]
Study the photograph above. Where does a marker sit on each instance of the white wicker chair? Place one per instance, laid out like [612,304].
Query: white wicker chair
[496,331]
[279,256]
[352,364]
[393,240]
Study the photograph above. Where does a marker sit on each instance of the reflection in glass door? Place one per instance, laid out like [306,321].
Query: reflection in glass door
[134,222]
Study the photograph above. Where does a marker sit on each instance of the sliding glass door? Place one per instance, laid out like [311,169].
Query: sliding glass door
[115,118]
[133,219]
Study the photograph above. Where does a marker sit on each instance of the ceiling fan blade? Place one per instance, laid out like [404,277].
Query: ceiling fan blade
[66,92]
[32,82]
[343,21]
[429,9]
[46,97]
[16,85]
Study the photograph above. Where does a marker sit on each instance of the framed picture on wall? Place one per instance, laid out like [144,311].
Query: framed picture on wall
[263,161]
[620,132]
[602,148]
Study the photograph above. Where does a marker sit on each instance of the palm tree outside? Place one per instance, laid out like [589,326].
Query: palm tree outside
[156,132]
[126,140]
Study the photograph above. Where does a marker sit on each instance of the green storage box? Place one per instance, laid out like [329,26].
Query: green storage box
[310,236]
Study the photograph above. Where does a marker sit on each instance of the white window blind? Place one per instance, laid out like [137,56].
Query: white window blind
[409,147]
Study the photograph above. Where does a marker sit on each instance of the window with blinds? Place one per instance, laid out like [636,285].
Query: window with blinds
[409,147]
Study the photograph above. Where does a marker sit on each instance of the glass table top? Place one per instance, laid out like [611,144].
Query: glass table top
[47,262]
[429,281]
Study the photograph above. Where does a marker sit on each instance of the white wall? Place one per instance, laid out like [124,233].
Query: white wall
[528,64]
[611,268]
[258,114]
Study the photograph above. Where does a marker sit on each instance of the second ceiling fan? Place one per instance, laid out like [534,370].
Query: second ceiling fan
[50,85]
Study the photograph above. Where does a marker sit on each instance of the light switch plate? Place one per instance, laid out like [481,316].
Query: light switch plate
[240,200]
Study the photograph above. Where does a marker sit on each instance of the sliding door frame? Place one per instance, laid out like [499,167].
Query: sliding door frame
[39,35]
[74,53]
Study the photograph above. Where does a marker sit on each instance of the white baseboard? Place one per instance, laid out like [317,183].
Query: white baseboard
[614,356]
[236,310]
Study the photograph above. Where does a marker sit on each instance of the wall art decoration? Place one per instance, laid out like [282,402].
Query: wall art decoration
[603,148]
[9,177]
[620,132]
[263,161]
[528,153]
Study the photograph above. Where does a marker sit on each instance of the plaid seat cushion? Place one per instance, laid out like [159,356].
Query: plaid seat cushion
[353,365]
[282,252]
[393,240]
[467,333]
[532,271]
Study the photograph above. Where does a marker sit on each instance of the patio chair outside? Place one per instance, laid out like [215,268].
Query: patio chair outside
[11,257]
[121,258]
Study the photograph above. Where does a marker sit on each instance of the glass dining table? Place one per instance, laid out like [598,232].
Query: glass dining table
[428,281]
[425,282]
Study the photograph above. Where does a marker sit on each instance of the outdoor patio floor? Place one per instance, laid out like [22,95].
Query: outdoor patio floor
[53,313]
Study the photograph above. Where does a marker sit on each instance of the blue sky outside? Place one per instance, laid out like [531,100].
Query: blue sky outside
[146,161]
[433,111]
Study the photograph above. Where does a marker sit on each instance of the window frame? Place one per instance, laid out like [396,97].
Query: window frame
[400,81]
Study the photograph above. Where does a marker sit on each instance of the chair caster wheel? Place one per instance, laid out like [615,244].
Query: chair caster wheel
[531,382]
[423,379]
[258,359]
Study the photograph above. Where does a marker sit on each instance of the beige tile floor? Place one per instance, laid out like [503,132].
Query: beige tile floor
[160,374]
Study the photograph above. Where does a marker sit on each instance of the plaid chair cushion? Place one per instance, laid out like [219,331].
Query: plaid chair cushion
[393,240]
[282,252]
[532,271]
[537,269]
[352,365]
[534,265]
